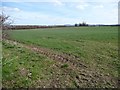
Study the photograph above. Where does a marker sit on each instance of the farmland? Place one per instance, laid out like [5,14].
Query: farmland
[68,57]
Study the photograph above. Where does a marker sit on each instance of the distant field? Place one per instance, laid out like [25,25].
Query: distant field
[96,47]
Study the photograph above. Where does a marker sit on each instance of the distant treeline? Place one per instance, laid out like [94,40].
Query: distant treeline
[13,27]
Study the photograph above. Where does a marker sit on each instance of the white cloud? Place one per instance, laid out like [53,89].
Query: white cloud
[9,9]
[17,9]
[82,6]
[38,18]
[57,2]
[105,16]
[98,14]
[60,1]
[99,6]
[106,1]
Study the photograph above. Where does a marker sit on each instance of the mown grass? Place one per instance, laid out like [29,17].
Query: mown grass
[96,46]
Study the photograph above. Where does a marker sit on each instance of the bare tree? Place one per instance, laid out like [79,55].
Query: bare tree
[5,21]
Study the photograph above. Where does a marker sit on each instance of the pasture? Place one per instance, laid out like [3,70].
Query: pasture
[94,47]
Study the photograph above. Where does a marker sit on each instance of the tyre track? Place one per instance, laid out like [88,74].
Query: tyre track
[65,58]
[84,76]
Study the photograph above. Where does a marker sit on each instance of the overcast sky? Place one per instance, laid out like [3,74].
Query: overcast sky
[52,12]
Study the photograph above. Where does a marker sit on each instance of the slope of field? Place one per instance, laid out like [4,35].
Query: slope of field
[96,47]
[24,68]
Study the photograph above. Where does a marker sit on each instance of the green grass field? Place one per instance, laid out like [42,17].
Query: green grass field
[96,47]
